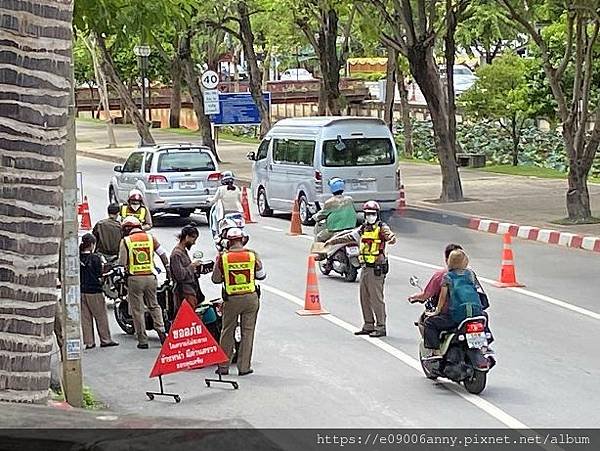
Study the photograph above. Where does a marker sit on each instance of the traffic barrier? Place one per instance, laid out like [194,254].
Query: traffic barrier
[246,207]
[312,298]
[296,225]
[86,220]
[401,201]
[508,277]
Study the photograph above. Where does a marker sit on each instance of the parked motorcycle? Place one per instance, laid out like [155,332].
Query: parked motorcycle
[465,356]
[341,258]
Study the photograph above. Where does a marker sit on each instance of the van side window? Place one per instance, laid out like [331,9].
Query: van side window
[294,151]
[263,149]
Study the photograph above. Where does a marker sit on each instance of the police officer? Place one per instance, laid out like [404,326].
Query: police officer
[136,254]
[372,237]
[135,207]
[238,269]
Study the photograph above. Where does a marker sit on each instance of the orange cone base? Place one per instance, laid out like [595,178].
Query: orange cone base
[294,234]
[304,312]
[508,285]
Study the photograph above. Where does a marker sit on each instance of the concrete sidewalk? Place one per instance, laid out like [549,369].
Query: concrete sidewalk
[528,201]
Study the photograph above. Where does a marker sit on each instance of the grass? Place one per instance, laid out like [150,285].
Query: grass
[89,400]
[403,158]
[226,136]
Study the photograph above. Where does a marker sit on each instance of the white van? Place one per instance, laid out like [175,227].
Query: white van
[299,156]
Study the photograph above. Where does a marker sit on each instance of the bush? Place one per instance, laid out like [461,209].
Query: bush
[423,143]
[368,76]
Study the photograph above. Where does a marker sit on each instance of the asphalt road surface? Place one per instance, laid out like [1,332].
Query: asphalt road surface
[312,372]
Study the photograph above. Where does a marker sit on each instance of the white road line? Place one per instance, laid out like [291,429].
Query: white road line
[307,237]
[478,402]
[540,297]
[273,229]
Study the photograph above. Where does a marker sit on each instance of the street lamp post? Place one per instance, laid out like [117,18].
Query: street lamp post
[143,52]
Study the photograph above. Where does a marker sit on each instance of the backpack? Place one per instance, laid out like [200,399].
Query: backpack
[464,299]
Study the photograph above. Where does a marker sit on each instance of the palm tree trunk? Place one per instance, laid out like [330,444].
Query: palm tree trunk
[33,119]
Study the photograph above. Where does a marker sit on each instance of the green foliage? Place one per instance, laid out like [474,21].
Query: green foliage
[422,134]
[83,66]
[369,76]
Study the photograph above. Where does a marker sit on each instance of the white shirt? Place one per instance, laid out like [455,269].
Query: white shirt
[231,199]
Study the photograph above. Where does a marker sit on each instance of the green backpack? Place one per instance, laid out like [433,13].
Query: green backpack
[464,299]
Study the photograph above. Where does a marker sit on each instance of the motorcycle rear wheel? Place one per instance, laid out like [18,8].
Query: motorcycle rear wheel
[125,324]
[351,274]
[476,384]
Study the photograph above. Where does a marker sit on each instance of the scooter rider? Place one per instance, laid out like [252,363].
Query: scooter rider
[372,237]
[338,212]
[229,194]
[136,254]
[135,207]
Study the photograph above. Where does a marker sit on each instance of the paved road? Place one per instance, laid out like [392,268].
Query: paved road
[312,372]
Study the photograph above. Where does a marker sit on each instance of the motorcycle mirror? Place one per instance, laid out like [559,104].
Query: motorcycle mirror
[414,281]
[198,255]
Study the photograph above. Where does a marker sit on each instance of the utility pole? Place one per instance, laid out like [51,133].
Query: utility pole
[71,296]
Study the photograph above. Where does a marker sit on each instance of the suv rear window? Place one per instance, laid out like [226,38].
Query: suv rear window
[358,152]
[185,162]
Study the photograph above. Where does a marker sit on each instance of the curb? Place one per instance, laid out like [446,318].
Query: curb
[566,239]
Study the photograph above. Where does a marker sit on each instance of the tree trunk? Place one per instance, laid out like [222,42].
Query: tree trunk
[102,90]
[390,88]
[33,142]
[175,106]
[515,140]
[236,70]
[107,67]
[255,74]
[578,197]
[450,56]
[424,70]
[405,112]
[266,69]
[191,78]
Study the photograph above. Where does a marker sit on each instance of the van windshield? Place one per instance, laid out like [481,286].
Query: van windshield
[358,152]
[185,162]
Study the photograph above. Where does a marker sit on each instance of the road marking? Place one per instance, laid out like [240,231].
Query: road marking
[478,402]
[307,237]
[273,229]
[540,297]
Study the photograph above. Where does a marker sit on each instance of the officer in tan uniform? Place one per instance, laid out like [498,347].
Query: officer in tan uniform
[372,237]
[238,269]
[136,254]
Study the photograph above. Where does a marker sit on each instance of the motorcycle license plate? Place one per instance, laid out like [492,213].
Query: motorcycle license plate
[352,251]
[476,340]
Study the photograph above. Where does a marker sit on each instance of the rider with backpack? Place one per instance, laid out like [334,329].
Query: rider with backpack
[458,300]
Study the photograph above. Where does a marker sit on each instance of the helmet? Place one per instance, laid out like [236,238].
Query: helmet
[235,234]
[130,222]
[336,184]
[371,207]
[227,178]
[225,225]
[135,195]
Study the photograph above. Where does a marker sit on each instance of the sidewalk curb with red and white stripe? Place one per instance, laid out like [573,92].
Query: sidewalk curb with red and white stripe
[573,240]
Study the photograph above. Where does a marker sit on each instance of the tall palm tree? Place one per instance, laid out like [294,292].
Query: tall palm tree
[35,68]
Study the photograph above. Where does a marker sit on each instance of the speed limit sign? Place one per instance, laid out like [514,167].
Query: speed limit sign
[209,79]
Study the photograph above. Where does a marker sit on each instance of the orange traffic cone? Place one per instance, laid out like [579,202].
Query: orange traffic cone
[246,207]
[296,225]
[86,220]
[312,299]
[401,201]
[508,277]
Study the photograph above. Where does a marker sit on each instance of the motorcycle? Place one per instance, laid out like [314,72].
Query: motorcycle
[341,258]
[464,353]
[216,221]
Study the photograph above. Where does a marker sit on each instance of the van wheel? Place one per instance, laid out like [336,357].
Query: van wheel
[263,204]
[305,216]
[112,198]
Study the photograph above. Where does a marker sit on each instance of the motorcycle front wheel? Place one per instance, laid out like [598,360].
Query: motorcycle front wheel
[351,274]
[325,267]
[122,317]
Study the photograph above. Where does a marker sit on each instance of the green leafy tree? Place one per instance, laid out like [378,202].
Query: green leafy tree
[500,94]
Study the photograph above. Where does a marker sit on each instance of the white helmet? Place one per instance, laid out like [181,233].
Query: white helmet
[235,234]
[135,195]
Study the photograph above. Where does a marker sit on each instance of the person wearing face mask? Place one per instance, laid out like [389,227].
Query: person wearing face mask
[135,207]
[372,236]
[184,270]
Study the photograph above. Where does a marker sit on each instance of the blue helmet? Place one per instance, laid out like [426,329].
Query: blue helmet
[336,184]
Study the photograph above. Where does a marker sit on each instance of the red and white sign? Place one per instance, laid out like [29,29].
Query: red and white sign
[188,346]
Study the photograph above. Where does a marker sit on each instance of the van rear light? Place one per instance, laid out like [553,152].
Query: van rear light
[214,177]
[474,328]
[153,178]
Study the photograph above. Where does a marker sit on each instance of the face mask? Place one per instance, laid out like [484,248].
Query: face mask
[371,219]
[135,206]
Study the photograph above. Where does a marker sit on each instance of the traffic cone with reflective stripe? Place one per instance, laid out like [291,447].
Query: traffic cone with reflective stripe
[401,201]
[508,278]
[86,220]
[246,207]
[296,225]
[312,299]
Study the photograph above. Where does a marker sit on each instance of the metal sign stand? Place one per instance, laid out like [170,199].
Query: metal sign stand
[220,380]
[152,394]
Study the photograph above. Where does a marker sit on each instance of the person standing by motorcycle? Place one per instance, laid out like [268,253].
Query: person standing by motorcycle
[136,254]
[372,236]
[184,270]
[238,269]
[92,299]
[108,233]
[338,212]
[229,194]
[135,207]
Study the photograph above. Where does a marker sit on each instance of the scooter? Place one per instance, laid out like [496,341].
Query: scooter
[341,258]
[464,353]
[216,221]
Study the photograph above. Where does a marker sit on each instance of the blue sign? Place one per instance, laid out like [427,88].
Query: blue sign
[238,108]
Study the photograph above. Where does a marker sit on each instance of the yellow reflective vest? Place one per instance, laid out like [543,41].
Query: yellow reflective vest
[140,248]
[239,268]
[371,245]
[140,214]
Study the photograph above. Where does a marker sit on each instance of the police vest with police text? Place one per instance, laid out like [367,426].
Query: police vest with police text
[140,214]
[371,245]
[239,268]
[140,248]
